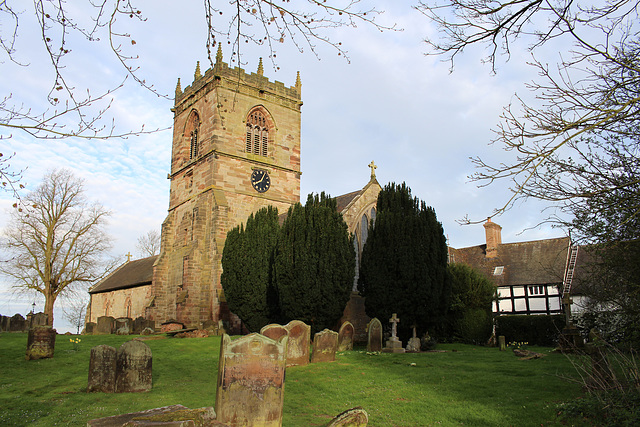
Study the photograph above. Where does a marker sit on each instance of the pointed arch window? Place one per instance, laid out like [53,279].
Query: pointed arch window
[257,140]
[193,133]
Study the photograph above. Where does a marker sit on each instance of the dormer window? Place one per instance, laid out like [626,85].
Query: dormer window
[498,271]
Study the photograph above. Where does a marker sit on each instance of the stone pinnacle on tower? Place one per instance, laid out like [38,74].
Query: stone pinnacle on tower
[260,68]
[298,83]
[219,54]
[178,88]
[197,73]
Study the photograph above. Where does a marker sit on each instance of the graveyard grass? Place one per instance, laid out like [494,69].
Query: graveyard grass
[466,385]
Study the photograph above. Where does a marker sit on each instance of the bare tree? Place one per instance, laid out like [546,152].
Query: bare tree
[591,93]
[55,240]
[74,311]
[149,243]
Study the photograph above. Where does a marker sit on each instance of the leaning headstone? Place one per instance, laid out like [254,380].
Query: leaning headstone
[123,326]
[251,381]
[105,325]
[41,343]
[345,337]
[274,331]
[102,369]
[133,367]
[393,345]
[356,417]
[299,340]
[325,344]
[374,335]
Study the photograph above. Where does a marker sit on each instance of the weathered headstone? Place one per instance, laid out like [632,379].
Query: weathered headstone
[105,325]
[356,417]
[325,344]
[133,367]
[4,323]
[171,325]
[41,343]
[374,335]
[39,319]
[90,328]
[345,337]
[102,369]
[299,341]
[413,345]
[167,416]
[502,343]
[274,331]
[251,381]
[393,344]
[18,323]
[147,331]
[138,325]
[124,325]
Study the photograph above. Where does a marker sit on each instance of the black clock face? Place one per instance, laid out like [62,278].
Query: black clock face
[260,180]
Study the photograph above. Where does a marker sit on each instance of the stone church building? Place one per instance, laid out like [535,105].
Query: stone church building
[236,149]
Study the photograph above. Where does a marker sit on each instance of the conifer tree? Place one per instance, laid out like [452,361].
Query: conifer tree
[404,262]
[314,263]
[246,262]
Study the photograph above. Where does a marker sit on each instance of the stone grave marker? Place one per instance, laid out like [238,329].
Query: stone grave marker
[299,340]
[374,335]
[39,319]
[105,325]
[325,344]
[41,342]
[274,331]
[102,369]
[393,345]
[139,324]
[90,328]
[123,326]
[133,367]
[356,417]
[17,323]
[414,342]
[251,381]
[345,337]
[171,325]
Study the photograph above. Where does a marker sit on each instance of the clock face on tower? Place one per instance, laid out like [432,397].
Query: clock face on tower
[260,180]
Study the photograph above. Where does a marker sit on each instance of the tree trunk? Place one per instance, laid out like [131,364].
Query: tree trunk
[48,308]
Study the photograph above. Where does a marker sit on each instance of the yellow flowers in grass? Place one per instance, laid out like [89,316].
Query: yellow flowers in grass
[76,343]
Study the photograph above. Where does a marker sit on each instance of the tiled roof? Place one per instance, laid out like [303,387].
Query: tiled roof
[128,275]
[343,201]
[525,263]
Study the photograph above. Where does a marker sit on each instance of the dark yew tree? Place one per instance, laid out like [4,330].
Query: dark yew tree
[470,306]
[246,262]
[404,262]
[314,263]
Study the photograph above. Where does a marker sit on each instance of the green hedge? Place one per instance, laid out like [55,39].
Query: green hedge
[536,330]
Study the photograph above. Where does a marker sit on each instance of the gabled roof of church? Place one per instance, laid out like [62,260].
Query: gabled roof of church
[343,201]
[128,275]
[524,263]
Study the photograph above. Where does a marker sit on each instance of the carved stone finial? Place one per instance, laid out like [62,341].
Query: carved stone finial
[373,169]
[197,74]
[298,83]
[178,88]
[260,68]
[219,54]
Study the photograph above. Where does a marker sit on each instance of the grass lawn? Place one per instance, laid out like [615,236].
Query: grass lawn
[466,385]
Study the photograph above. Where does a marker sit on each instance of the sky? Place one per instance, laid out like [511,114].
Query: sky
[389,103]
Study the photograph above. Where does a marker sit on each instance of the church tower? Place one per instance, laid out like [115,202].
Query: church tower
[236,149]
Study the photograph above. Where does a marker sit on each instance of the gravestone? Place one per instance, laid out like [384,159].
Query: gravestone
[4,323]
[90,328]
[502,343]
[393,344]
[325,344]
[17,323]
[105,325]
[274,331]
[413,345]
[298,344]
[138,325]
[345,337]
[41,343]
[356,417]
[123,326]
[167,416]
[39,319]
[374,335]
[251,381]
[102,369]
[133,367]
[171,325]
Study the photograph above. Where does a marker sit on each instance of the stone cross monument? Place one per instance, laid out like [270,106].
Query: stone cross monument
[394,345]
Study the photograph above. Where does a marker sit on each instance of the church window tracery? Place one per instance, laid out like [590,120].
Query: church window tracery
[257,140]
[192,131]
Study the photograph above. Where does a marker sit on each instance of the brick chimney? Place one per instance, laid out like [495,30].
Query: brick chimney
[493,233]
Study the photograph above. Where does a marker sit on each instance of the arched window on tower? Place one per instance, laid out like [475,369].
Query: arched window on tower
[257,141]
[192,131]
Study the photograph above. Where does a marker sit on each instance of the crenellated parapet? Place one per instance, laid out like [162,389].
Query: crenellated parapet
[237,79]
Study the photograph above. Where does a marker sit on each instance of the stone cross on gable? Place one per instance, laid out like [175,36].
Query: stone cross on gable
[129,257]
[394,325]
[373,169]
